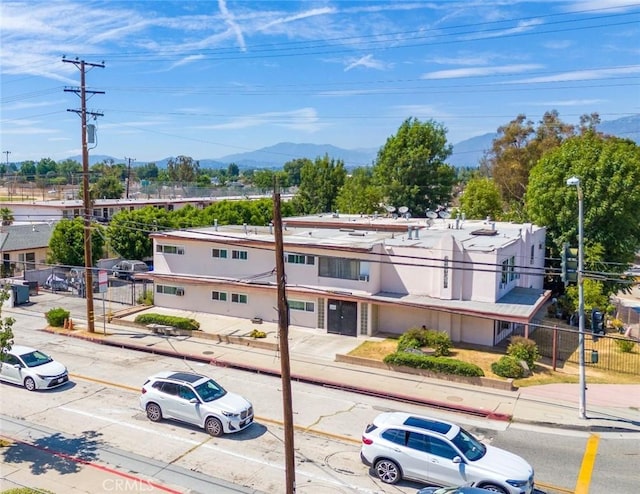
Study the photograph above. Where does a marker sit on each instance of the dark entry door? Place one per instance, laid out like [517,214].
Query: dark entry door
[343,317]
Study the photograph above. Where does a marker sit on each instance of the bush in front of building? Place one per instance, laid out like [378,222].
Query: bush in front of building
[416,338]
[165,320]
[442,365]
[522,348]
[625,345]
[56,317]
[508,366]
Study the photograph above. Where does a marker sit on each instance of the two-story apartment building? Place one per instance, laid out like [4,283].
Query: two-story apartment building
[353,275]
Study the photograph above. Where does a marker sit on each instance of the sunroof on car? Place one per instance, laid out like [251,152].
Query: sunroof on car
[185,376]
[431,425]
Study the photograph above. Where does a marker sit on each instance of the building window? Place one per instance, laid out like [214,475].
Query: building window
[170,249]
[219,253]
[531,256]
[300,305]
[239,254]
[512,268]
[299,259]
[239,298]
[505,272]
[321,313]
[336,267]
[170,290]
[219,296]
[445,274]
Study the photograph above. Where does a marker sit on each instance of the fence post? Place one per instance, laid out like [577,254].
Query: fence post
[554,351]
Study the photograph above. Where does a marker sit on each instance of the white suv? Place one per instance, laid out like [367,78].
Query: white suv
[197,400]
[400,445]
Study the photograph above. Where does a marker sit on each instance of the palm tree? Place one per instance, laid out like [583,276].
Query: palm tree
[6,215]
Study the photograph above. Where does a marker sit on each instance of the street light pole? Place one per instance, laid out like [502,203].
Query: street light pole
[582,407]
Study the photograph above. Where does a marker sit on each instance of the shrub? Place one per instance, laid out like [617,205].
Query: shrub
[508,366]
[419,337]
[443,365]
[625,345]
[146,298]
[256,333]
[525,349]
[56,317]
[174,321]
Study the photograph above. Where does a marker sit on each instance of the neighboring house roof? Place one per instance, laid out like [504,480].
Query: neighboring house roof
[25,237]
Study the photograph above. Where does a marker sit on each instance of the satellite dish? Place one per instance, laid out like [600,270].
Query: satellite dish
[390,209]
[403,209]
[432,214]
[445,214]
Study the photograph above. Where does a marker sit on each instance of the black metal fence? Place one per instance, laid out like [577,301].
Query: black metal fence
[611,352]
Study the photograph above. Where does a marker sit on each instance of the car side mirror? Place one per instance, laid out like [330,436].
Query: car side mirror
[457,459]
[194,400]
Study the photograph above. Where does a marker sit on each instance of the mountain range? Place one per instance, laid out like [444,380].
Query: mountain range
[466,153]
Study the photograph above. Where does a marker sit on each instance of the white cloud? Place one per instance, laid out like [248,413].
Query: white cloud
[522,27]
[569,102]
[366,61]
[480,71]
[233,25]
[582,75]
[305,119]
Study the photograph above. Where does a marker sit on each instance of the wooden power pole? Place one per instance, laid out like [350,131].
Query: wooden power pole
[88,261]
[283,338]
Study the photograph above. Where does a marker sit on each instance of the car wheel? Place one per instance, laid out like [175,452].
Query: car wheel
[213,426]
[154,412]
[30,384]
[494,488]
[388,471]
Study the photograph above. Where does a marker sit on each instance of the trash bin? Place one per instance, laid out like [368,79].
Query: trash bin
[594,356]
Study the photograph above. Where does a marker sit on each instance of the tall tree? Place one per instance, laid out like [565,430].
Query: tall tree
[6,216]
[107,187]
[293,168]
[411,168]
[359,194]
[233,171]
[128,231]
[481,198]
[66,245]
[609,173]
[320,182]
[6,328]
[183,169]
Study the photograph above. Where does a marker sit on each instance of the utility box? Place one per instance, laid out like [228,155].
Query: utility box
[594,356]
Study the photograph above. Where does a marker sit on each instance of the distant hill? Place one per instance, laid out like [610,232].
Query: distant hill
[466,153]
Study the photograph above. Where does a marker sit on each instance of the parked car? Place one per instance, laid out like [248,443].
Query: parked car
[400,445]
[452,490]
[127,269]
[196,400]
[32,369]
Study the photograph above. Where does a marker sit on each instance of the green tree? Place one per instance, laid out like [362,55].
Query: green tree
[128,231]
[6,327]
[107,187]
[6,215]
[359,194]
[148,171]
[410,168]
[66,245]
[28,170]
[293,169]
[233,171]
[183,169]
[609,173]
[320,183]
[481,198]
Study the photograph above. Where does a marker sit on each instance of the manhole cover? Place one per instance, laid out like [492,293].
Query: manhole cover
[454,398]
[207,352]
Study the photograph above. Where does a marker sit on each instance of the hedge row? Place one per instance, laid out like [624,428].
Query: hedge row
[436,364]
[418,338]
[174,321]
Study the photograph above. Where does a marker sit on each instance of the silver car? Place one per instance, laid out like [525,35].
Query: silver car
[196,400]
[31,368]
[400,445]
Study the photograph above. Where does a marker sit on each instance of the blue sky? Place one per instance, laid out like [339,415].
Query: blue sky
[210,78]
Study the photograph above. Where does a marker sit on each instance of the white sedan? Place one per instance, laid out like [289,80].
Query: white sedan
[31,368]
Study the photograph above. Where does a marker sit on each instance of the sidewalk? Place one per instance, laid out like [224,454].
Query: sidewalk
[312,359]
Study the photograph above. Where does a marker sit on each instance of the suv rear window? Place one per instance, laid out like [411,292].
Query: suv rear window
[430,425]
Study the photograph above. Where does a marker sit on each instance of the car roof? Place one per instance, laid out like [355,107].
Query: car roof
[180,376]
[417,422]
[21,349]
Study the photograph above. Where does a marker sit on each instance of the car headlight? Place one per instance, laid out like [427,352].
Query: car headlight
[230,414]
[517,483]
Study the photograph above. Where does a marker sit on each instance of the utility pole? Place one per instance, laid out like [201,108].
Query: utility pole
[129,174]
[88,263]
[283,338]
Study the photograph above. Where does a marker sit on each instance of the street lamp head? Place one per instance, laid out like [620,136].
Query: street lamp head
[573,181]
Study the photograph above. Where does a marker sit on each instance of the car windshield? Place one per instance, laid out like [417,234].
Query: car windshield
[470,447]
[35,358]
[210,390]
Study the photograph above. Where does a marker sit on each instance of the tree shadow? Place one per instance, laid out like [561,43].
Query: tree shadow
[55,452]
